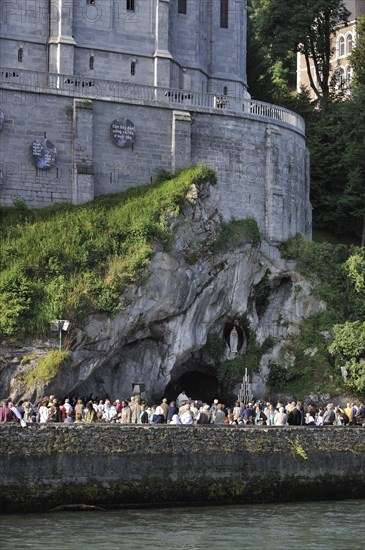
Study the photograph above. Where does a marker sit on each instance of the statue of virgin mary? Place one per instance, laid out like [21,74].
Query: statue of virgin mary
[233,340]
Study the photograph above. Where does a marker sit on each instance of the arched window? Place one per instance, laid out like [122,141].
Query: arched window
[341,46]
[133,68]
[91,62]
[225,90]
[348,43]
[20,55]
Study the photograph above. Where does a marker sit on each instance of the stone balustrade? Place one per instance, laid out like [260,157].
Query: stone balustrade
[107,90]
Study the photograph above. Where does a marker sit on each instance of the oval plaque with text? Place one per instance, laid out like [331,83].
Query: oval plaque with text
[44,153]
[123,132]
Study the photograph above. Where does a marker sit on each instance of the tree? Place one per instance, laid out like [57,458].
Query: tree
[348,346]
[353,137]
[355,267]
[259,82]
[351,202]
[307,27]
[348,343]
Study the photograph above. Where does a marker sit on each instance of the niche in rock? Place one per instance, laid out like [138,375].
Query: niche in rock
[227,336]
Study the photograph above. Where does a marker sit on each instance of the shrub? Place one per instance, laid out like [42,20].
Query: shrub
[236,233]
[48,367]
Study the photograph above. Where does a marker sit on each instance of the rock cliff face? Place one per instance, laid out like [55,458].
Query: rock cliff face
[188,294]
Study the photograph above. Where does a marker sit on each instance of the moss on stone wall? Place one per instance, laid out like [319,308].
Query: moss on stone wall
[48,466]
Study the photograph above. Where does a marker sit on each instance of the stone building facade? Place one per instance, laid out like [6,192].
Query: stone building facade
[98,96]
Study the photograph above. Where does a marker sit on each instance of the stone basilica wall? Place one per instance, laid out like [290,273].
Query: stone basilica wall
[182,50]
[70,68]
[262,164]
[43,467]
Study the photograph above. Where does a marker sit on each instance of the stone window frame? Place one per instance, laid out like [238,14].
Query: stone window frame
[349,42]
[341,46]
[92,62]
[224,14]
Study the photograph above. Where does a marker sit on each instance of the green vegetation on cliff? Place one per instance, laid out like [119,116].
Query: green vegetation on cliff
[66,261]
[335,337]
[47,368]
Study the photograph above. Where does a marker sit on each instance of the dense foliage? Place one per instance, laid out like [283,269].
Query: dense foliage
[307,27]
[335,122]
[334,337]
[67,261]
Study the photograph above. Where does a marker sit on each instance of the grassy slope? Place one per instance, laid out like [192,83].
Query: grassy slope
[66,261]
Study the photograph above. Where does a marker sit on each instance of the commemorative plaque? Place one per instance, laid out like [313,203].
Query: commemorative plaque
[123,132]
[2,118]
[44,153]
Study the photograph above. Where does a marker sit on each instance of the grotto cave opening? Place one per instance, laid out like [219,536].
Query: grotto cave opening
[199,386]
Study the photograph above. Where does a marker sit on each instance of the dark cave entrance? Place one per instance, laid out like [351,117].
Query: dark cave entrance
[198,386]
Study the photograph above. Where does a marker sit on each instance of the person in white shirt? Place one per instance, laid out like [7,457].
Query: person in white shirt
[43,413]
[187,416]
[67,406]
[110,412]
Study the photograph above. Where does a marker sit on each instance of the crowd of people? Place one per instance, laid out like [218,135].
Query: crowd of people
[183,411]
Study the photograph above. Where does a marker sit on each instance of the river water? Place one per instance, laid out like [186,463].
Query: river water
[309,525]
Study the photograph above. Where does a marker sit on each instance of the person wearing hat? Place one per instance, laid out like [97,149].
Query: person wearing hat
[213,407]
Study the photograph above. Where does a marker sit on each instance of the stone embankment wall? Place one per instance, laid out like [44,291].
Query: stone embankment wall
[43,467]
